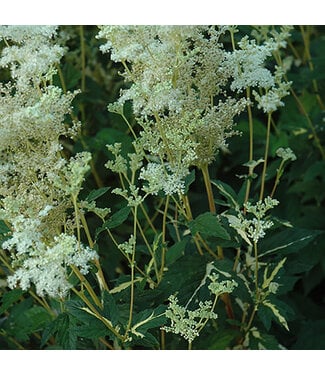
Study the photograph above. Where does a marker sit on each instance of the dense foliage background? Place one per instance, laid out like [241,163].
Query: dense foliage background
[298,233]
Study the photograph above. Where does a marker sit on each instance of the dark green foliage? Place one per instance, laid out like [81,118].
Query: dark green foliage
[176,267]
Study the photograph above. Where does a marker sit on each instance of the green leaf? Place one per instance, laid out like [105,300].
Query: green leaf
[189,179]
[288,241]
[3,228]
[268,279]
[115,220]
[280,311]
[147,319]
[228,192]
[208,224]
[65,331]
[93,331]
[111,311]
[94,194]
[110,136]
[176,251]
[311,336]
[222,340]
[71,76]
[9,299]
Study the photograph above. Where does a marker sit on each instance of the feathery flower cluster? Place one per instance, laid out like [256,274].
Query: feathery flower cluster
[180,77]
[46,266]
[177,94]
[186,322]
[218,287]
[254,228]
[36,181]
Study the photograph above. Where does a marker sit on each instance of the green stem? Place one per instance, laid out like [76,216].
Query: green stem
[277,178]
[83,58]
[310,123]
[163,255]
[100,273]
[267,143]
[257,292]
[303,111]
[256,270]
[251,147]
[132,270]
[85,282]
[306,40]
[97,314]
[188,215]
[208,187]
[13,340]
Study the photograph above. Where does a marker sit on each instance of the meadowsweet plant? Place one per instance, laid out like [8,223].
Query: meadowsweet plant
[160,187]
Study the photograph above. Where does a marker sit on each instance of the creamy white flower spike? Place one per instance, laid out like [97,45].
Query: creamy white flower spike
[37,182]
[184,92]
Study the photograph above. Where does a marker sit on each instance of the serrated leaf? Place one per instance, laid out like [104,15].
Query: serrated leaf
[209,225]
[111,310]
[268,280]
[4,228]
[10,298]
[110,136]
[276,313]
[125,285]
[189,179]
[287,241]
[93,331]
[94,194]
[65,331]
[236,223]
[228,192]
[148,319]
[176,251]
[115,220]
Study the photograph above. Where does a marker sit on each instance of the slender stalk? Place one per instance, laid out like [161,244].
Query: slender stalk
[85,282]
[132,270]
[162,340]
[76,212]
[251,146]
[13,340]
[306,40]
[83,58]
[83,69]
[148,247]
[42,302]
[267,143]
[277,178]
[189,217]
[212,206]
[303,111]
[208,187]
[310,123]
[256,270]
[107,344]
[97,314]
[251,319]
[257,291]
[128,259]
[163,255]
[100,273]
